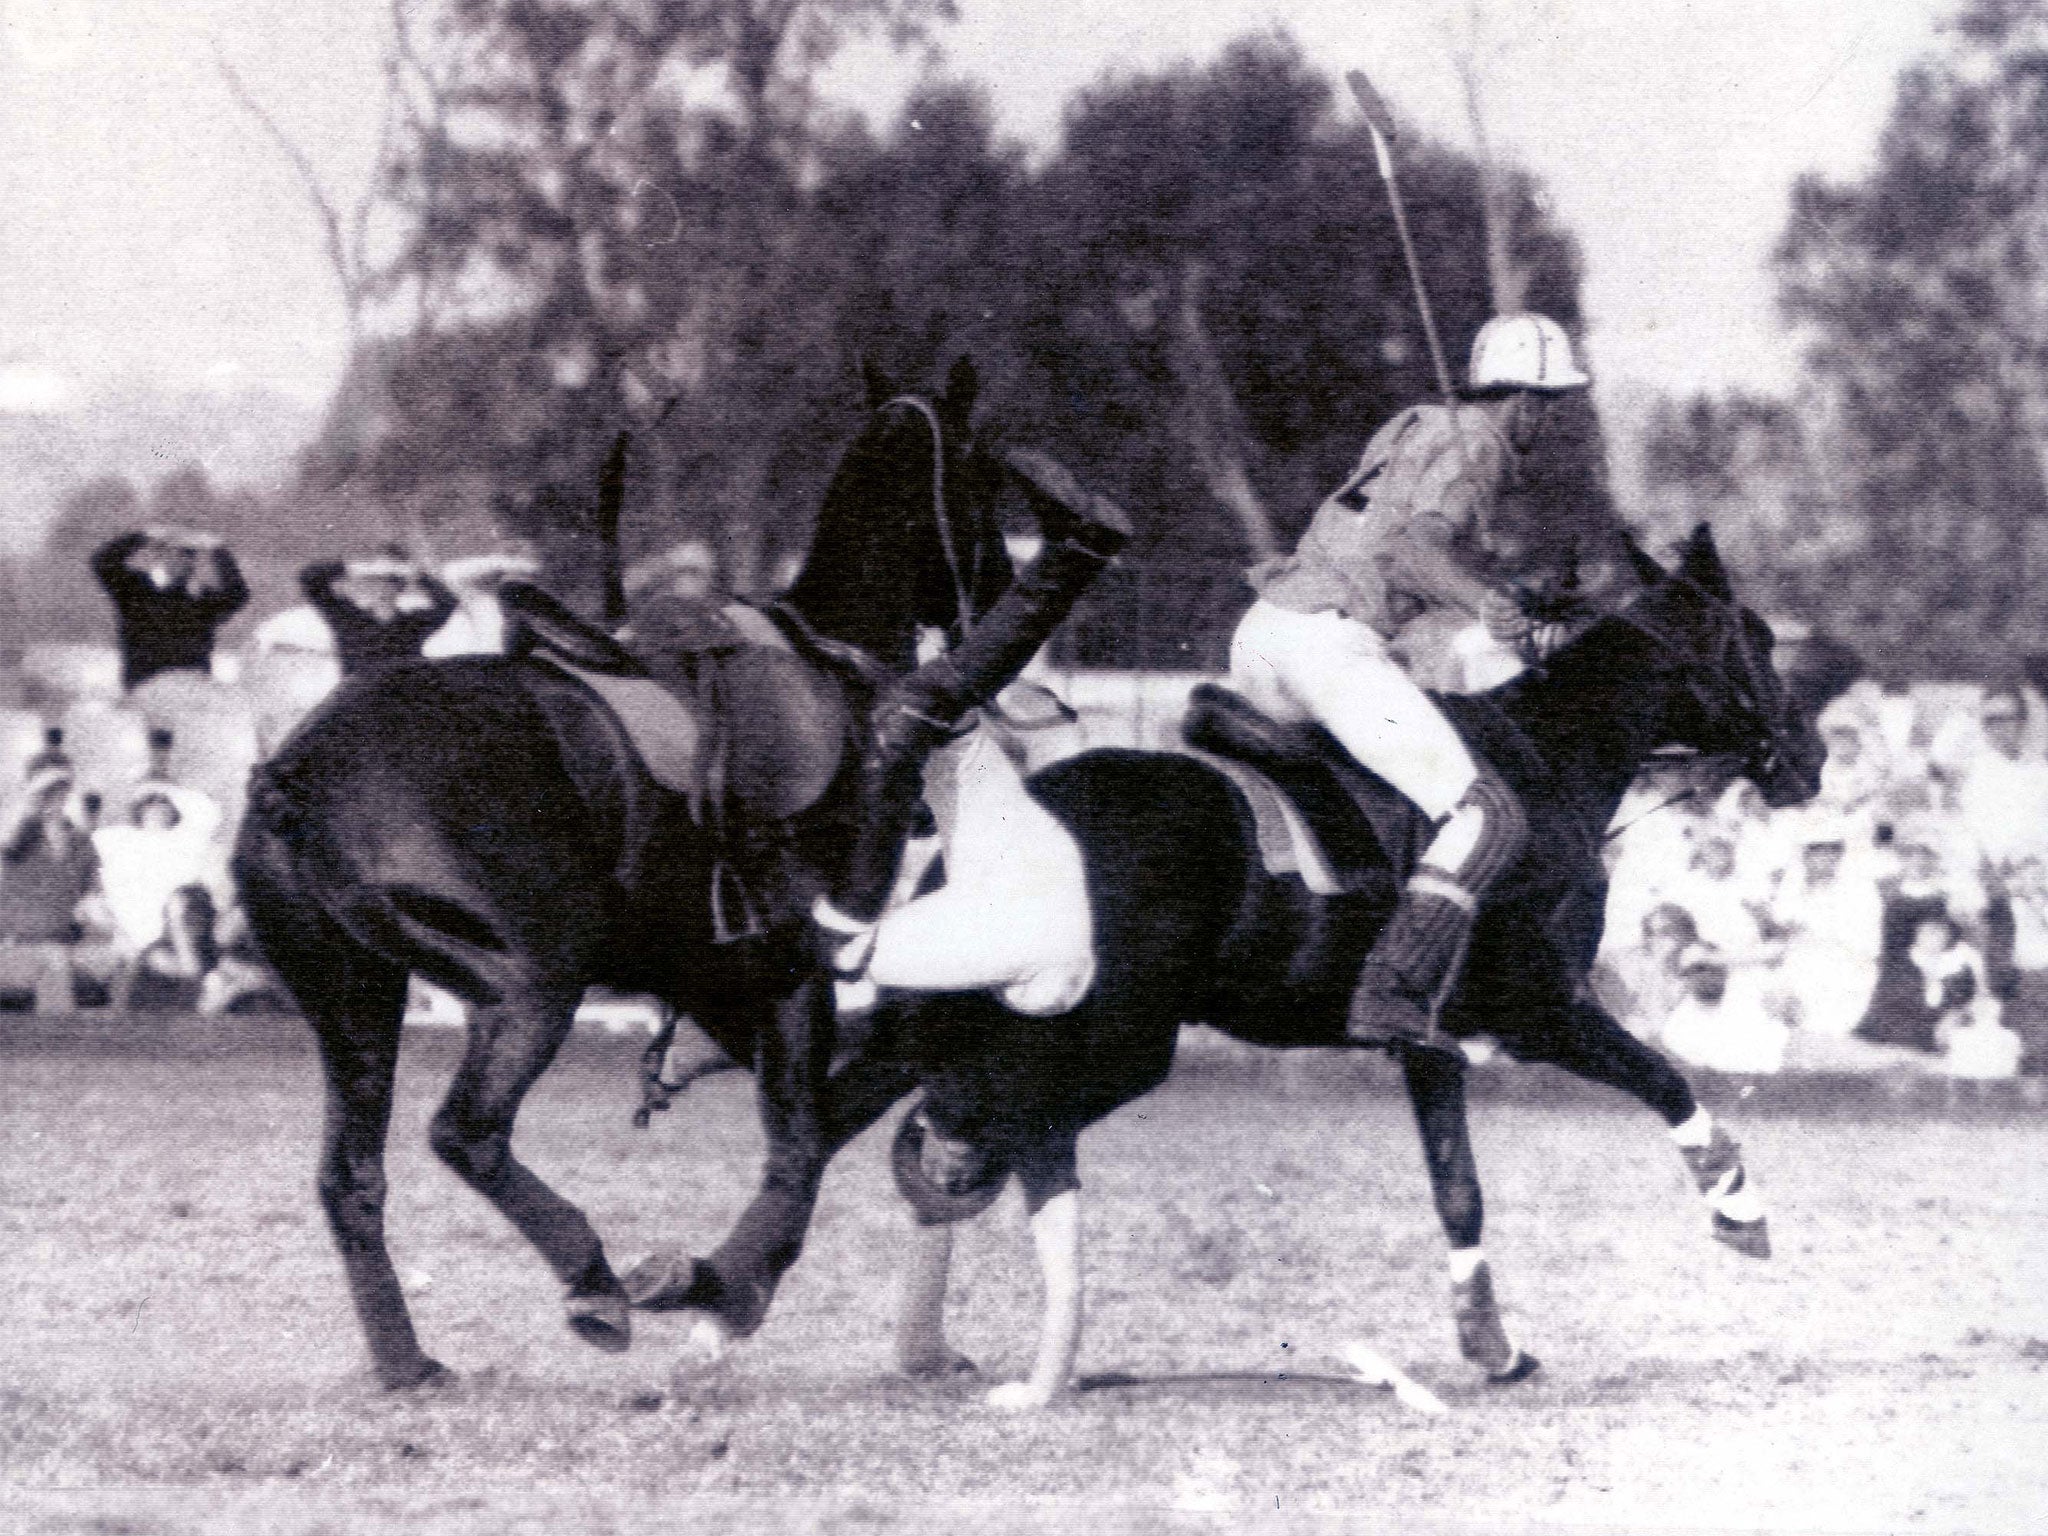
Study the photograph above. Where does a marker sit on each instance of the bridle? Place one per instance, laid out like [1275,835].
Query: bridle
[963,585]
[1731,655]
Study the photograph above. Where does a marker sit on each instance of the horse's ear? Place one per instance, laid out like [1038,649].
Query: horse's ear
[1702,564]
[963,384]
[876,383]
[1641,561]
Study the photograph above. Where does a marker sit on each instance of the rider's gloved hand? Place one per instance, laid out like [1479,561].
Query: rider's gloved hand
[1506,620]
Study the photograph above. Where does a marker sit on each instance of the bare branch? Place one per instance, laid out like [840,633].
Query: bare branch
[1509,282]
[1212,424]
[346,272]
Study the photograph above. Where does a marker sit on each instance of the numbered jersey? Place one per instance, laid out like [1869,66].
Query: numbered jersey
[1431,462]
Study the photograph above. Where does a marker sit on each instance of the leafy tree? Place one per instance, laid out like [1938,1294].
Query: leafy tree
[1221,278]
[1922,292]
[1747,465]
[584,250]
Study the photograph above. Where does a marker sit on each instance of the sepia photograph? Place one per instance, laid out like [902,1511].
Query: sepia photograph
[840,766]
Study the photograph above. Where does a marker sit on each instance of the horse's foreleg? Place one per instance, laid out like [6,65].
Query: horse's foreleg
[1436,1090]
[510,1044]
[734,1286]
[1599,1049]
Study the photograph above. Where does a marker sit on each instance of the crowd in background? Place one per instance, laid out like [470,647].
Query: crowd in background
[1898,920]
[117,830]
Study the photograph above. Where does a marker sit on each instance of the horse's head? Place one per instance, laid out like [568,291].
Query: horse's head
[1731,703]
[908,536]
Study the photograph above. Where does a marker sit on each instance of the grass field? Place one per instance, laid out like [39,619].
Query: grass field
[177,1352]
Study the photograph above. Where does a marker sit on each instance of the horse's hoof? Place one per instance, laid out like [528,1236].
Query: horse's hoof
[665,1282]
[425,1375]
[603,1321]
[1482,1336]
[1520,1368]
[943,1366]
[1751,1239]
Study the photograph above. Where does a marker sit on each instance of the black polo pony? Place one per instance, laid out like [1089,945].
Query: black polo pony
[486,823]
[1191,927]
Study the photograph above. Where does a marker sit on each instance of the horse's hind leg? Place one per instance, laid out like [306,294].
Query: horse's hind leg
[358,1035]
[354,999]
[510,1044]
[1600,1050]
[1436,1089]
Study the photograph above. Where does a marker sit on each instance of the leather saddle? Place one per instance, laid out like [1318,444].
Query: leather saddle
[1358,828]
[740,711]
[1339,826]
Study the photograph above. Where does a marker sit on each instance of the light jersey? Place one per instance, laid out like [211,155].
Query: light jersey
[1432,473]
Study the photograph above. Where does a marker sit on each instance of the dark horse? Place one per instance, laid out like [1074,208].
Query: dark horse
[1190,926]
[486,823]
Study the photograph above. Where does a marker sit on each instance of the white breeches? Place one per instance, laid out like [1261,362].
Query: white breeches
[1013,915]
[1325,667]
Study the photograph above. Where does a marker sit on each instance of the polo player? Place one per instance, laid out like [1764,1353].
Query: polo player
[1083,532]
[1412,530]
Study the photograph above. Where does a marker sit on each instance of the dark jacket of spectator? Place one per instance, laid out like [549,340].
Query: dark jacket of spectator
[168,627]
[1899,1011]
[47,867]
[363,639]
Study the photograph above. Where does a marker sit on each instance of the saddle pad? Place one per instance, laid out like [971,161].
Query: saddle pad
[661,728]
[1286,844]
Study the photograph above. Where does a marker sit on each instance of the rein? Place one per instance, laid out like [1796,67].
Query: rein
[961,595]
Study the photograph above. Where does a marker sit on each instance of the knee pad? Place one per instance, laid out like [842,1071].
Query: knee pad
[1483,836]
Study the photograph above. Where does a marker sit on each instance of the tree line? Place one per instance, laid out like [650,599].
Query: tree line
[634,215]
[1899,496]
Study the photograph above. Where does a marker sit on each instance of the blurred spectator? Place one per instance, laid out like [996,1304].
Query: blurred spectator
[2002,798]
[198,814]
[239,981]
[1722,1025]
[172,591]
[1766,846]
[1951,976]
[478,624]
[1725,911]
[1651,846]
[1640,983]
[145,863]
[1853,781]
[380,610]
[2023,887]
[51,754]
[1920,895]
[47,871]
[1831,918]
[171,971]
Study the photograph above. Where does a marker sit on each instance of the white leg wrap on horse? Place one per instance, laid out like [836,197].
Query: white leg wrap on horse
[1697,1131]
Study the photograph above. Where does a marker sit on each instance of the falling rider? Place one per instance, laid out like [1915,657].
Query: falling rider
[1083,532]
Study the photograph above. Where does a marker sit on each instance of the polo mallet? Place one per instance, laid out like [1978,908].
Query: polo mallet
[1381,123]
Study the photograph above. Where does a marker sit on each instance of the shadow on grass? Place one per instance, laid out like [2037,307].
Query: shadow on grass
[1237,1384]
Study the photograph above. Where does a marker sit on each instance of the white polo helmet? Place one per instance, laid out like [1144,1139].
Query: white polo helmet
[1526,351]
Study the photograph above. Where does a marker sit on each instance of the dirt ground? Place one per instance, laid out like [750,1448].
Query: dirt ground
[178,1353]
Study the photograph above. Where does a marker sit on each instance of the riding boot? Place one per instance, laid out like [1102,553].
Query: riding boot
[1083,533]
[1414,966]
